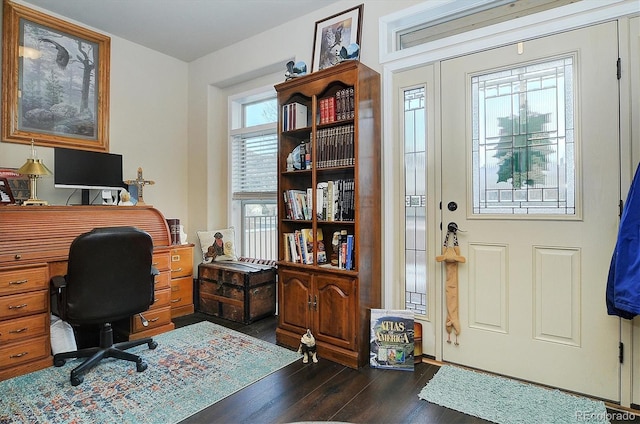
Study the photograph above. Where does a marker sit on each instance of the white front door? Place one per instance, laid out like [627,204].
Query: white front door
[530,158]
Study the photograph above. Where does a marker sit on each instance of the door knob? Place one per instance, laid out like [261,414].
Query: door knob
[452,227]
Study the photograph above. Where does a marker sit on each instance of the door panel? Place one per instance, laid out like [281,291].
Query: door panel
[531,296]
[295,294]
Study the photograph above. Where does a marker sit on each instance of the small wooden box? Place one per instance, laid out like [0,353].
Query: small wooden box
[237,291]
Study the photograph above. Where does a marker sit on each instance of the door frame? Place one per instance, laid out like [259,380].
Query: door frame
[534,26]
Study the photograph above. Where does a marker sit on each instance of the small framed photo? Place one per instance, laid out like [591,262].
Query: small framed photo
[332,34]
[6,196]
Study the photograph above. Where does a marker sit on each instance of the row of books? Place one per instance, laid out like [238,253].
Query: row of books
[335,201]
[335,146]
[299,246]
[297,204]
[294,116]
[337,198]
[337,108]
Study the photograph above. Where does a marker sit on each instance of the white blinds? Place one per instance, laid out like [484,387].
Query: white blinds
[254,165]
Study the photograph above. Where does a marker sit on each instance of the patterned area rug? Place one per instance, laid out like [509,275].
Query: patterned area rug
[192,368]
[503,400]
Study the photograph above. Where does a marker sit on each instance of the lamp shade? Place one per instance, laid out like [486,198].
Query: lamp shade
[34,167]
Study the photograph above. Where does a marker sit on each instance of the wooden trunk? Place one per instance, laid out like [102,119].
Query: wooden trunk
[237,291]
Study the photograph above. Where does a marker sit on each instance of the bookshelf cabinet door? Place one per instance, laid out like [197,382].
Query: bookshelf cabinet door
[295,298]
[336,314]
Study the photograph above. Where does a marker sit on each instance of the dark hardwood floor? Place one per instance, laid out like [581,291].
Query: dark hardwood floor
[327,391]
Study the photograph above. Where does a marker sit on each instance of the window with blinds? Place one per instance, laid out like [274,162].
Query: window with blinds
[254,162]
[254,183]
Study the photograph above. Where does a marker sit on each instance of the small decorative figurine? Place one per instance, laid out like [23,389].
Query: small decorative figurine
[351,52]
[125,198]
[295,69]
[290,162]
[308,347]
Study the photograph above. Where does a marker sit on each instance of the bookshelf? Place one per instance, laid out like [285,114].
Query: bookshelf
[329,179]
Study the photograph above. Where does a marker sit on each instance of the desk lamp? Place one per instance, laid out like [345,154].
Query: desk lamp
[34,169]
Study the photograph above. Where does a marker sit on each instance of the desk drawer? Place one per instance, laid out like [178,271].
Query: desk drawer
[181,292]
[161,261]
[156,317]
[181,262]
[21,352]
[162,298]
[23,328]
[23,280]
[162,280]
[19,305]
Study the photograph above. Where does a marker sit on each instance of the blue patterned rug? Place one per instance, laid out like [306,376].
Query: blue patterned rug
[507,401]
[192,368]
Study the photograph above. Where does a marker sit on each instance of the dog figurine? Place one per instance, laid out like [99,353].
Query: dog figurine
[308,347]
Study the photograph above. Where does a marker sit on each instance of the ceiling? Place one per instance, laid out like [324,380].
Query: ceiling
[184,29]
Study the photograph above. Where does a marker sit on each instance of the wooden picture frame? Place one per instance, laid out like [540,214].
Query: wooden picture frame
[6,196]
[55,81]
[332,34]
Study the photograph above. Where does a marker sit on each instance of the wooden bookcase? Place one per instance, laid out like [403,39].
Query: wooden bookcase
[333,301]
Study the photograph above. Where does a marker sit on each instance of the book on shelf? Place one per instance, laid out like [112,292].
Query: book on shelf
[299,246]
[294,116]
[335,200]
[297,206]
[335,146]
[340,106]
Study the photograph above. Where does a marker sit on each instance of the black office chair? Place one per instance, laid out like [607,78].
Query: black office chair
[109,278]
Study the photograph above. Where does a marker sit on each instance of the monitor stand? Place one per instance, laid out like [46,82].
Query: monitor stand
[85,196]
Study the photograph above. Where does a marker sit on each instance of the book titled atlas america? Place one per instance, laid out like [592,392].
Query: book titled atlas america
[392,339]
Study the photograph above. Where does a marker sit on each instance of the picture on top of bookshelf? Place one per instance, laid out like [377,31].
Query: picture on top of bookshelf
[335,200]
[335,146]
[337,107]
[294,116]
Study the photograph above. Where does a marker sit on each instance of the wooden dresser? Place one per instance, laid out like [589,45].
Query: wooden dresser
[34,246]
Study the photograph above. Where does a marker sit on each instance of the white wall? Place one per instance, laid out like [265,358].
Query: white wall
[216,76]
[147,125]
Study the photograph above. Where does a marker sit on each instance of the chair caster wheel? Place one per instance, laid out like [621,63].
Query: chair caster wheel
[59,362]
[152,344]
[141,366]
[76,380]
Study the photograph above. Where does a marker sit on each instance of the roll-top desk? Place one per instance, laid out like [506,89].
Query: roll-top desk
[34,246]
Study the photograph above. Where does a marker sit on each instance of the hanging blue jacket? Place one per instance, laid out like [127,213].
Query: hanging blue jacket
[623,283]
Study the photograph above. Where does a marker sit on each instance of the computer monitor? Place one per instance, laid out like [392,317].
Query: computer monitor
[87,170]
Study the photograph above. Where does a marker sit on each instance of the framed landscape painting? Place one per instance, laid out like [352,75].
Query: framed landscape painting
[55,81]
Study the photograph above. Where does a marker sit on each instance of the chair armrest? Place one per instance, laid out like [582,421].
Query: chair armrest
[58,281]
[59,296]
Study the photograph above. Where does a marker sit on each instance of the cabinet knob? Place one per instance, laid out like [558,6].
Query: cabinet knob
[17,256]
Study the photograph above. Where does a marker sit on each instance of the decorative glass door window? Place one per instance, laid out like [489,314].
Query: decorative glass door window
[523,148]
[415,200]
